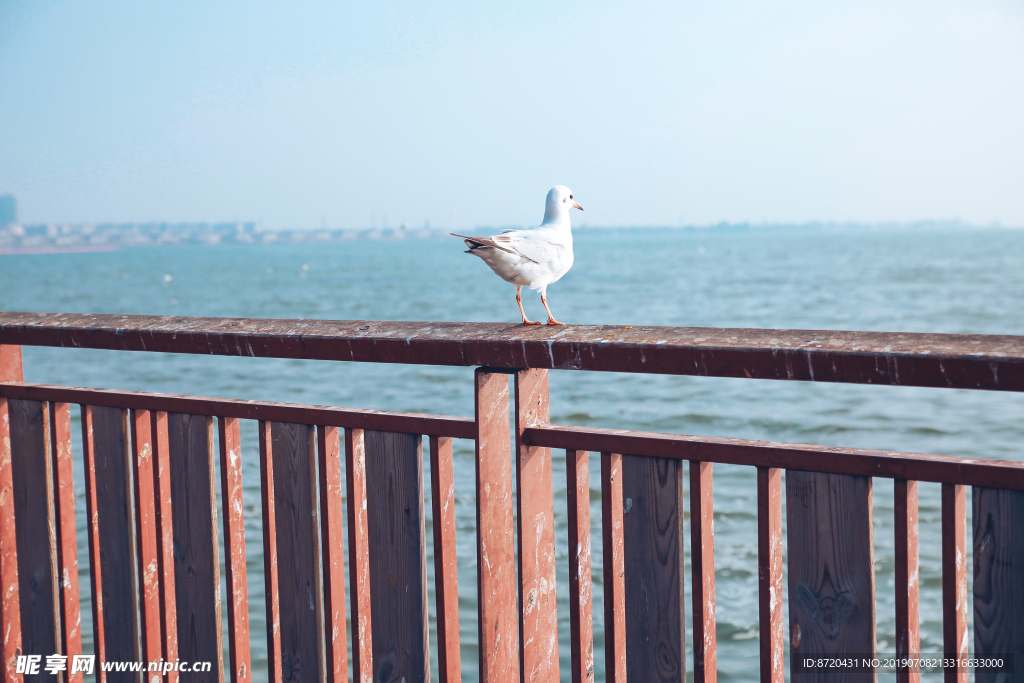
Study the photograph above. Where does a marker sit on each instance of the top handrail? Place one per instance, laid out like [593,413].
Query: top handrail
[959,361]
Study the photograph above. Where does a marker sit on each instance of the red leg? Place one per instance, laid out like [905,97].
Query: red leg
[519,300]
[551,318]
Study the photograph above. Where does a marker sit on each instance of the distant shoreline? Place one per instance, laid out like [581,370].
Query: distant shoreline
[82,249]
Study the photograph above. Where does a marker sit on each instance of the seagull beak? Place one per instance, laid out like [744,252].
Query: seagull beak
[577,206]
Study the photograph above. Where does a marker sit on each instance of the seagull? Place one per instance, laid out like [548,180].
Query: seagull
[533,258]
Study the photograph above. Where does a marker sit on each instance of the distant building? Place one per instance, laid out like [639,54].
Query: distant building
[8,210]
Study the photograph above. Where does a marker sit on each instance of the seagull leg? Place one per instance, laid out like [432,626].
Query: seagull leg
[519,300]
[551,318]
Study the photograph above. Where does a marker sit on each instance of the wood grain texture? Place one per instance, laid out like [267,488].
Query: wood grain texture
[11,367]
[93,532]
[998,522]
[240,670]
[270,556]
[535,537]
[954,579]
[495,541]
[398,557]
[144,481]
[702,553]
[298,540]
[36,528]
[769,574]
[908,584]
[196,561]
[652,494]
[332,524]
[831,569]
[115,514]
[581,588]
[67,539]
[614,568]
[446,565]
[165,538]
[358,556]
[10,605]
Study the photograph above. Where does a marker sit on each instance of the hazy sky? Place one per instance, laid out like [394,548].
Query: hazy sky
[465,114]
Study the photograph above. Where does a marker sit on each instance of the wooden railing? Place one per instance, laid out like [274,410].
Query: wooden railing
[152,511]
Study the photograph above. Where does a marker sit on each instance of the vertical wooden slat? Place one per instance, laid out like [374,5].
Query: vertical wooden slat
[831,566]
[144,481]
[197,564]
[270,557]
[234,549]
[298,579]
[702,554]
[332,523]
[998,522]
[769,573]
[495,544]
[359,558]
[115,514]
[11,367]
[581,607]
[67,539]
[614,568]
[165,538]
[652,494]
[93,532]
[954,579]
[398,556]
[446,568]
[535,523]
[31,463]
[10,604]
[908,621]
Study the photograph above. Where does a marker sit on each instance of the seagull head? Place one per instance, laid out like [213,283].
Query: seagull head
[560,200]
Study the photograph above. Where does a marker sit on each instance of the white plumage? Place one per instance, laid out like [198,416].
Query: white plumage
[532,258]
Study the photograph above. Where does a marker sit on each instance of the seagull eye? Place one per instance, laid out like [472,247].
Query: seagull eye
[570,196]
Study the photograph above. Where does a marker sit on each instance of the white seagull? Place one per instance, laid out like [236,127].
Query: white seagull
[532,258]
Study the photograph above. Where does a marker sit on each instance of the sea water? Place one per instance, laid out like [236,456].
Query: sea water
[940,280]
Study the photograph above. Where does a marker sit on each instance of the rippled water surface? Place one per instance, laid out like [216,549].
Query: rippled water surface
[949,281]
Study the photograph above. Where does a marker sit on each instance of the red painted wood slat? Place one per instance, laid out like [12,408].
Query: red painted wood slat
[165,538]
[446,567]
[332,523]
[954,579]
[10,605]
[535,522]
[67,540]
[702,554]
[144,481]
[359,558]
[908,622]
[614,568]
[234,549]
[769,572]
[581,593]
[270,553]
[496,563]
[93,526]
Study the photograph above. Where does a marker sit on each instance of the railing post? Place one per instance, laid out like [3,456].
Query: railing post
[496,569]
[10,603]
[11,368]
[538,613]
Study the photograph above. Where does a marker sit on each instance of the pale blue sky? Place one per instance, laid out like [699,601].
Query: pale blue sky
[465,114]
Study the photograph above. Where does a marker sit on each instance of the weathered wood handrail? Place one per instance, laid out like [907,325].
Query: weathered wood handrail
[961,361]
[152,452]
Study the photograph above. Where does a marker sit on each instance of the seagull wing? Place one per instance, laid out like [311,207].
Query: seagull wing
[507,244]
